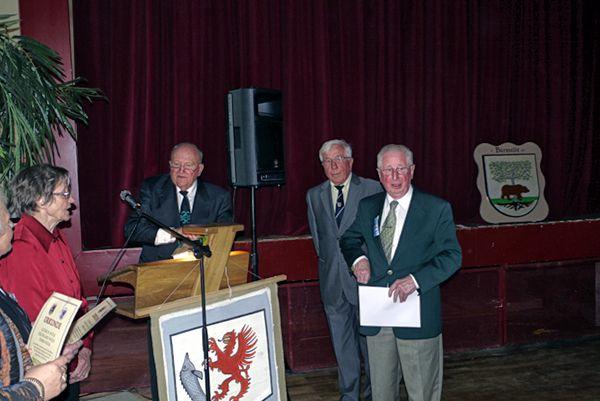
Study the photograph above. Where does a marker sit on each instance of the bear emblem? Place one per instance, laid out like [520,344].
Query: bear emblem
[513,191]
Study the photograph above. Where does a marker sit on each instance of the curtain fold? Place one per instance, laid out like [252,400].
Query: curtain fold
[438,76]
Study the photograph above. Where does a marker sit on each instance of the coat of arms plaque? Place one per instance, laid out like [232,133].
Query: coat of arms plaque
[511,183]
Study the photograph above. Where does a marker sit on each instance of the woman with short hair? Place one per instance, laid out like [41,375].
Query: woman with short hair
[41,262]
[19,381]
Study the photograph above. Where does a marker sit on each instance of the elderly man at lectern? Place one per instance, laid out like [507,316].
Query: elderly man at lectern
[177,199]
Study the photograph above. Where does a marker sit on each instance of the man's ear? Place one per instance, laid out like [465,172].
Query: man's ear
[200,169]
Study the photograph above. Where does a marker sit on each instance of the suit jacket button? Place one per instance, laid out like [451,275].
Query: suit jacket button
[390,272]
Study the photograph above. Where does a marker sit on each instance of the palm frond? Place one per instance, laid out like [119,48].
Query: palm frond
[36,102]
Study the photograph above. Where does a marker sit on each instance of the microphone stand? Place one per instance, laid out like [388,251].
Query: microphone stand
[200,251]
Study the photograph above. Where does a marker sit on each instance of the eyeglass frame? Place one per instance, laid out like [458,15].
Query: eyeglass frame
[188,169]
[65,195]
[400,170]
[337,159]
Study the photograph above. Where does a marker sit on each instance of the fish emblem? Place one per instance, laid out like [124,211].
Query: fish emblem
[189,380]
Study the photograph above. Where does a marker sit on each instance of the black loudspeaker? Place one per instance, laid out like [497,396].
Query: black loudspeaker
[255,137]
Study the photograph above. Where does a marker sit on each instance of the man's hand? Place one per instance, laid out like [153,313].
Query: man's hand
[362,271]
[402,288]
[84,364]
[189,236]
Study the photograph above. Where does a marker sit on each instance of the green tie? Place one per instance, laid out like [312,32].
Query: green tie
[387,231]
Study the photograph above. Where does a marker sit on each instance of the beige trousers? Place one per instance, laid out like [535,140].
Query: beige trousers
[419,362]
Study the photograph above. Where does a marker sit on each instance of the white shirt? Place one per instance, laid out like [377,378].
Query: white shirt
[162,236]
[345,189]
[401,210]
[191,194]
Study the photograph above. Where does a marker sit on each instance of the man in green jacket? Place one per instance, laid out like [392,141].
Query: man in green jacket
[411,244]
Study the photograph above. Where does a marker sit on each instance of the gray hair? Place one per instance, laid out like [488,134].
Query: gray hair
[326,147]
[34,183]
[191,145]
[395,148]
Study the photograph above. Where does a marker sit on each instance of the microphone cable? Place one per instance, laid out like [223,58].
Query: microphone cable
[117,259]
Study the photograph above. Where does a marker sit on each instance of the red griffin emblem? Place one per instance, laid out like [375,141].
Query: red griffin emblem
[234,360]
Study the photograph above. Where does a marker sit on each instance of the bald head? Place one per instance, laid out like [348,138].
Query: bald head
[185,165]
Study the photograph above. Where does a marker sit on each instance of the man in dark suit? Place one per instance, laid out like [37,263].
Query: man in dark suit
[412,246]
[332,207]
[177,199]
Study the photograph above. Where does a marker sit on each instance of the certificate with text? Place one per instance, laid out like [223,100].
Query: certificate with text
[85,323]
[379,309]
[51,327]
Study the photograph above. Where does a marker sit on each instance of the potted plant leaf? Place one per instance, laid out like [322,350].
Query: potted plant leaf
[36,101]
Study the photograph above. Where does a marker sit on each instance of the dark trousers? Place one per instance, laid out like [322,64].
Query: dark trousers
[152,367]
[71,393]
[349,346]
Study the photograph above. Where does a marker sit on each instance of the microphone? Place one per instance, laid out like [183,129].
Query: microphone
[129,199]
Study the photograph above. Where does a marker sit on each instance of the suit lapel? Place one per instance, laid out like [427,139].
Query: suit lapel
[201,196]
[351,205]
[375,218]
[414,217]
[168,203]
[326,201]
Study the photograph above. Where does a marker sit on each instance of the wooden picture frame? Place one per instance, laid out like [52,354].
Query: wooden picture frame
[245,345]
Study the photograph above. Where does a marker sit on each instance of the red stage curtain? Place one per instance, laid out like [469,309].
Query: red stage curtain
[439,76]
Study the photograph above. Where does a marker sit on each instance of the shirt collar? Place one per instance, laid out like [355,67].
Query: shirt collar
[191,191]
[404,201]
[345,183]
[39,231]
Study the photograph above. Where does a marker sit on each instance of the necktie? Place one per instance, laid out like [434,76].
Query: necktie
[387,231]
[185,215]
[339,204]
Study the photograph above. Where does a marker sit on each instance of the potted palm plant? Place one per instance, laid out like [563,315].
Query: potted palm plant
[36,102]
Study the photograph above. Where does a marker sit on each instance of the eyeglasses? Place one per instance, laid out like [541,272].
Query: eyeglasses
[189,167]
[337,160]
[65,195]
[400,170]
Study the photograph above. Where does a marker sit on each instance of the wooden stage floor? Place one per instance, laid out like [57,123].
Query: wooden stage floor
[559,371]
[567,370]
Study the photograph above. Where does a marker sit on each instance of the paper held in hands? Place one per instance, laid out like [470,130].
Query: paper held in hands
[378,309]
[86,322]
[53,323]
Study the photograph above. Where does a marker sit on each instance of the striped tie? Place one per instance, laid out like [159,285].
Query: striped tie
[339,204]
[387,231]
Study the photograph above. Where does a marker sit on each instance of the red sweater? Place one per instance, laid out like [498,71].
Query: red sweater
[39,264]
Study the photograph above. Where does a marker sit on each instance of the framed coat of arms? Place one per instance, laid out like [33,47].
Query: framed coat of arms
[245,355]
[511,183]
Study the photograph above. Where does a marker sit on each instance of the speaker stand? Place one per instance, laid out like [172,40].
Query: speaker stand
[254,253]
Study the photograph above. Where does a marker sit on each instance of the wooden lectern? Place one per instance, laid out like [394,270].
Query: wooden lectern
[157,283]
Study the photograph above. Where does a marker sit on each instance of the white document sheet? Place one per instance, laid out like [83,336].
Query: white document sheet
[378,309]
